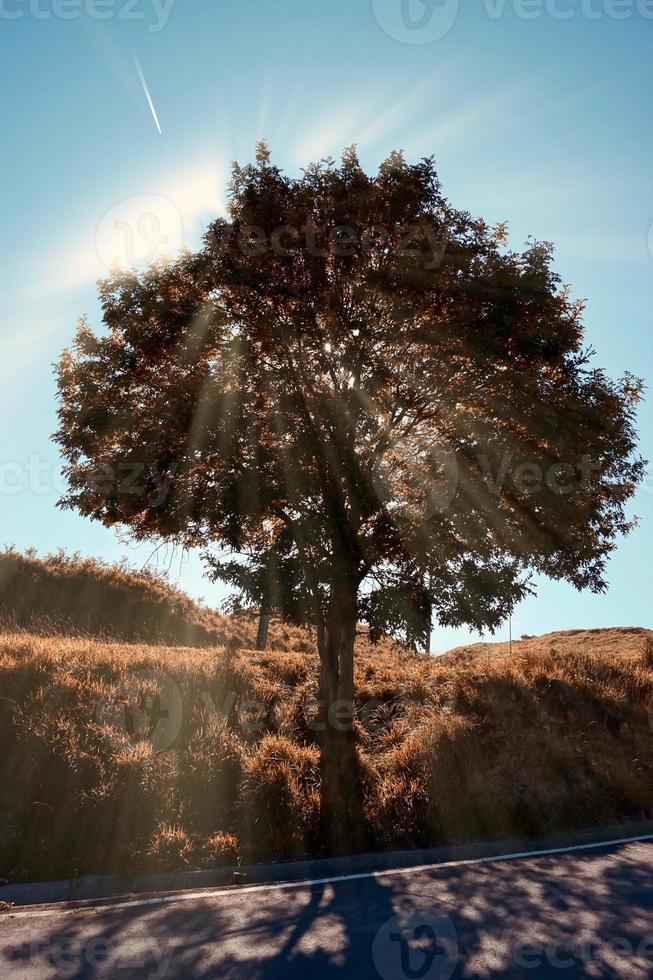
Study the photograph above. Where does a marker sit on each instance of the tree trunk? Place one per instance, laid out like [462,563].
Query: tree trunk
[263,626]
[341,791]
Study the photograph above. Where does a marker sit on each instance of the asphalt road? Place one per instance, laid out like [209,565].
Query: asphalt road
[582,914]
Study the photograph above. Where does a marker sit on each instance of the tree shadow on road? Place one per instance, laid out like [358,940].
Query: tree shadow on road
[578,915]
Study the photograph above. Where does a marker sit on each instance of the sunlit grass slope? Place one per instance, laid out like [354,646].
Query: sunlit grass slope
[84,596]
[472,745]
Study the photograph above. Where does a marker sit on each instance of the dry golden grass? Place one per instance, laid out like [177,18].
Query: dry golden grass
[628,640]
[83,596]
[470,745]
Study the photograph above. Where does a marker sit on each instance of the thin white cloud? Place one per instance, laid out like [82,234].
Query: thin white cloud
[146,90]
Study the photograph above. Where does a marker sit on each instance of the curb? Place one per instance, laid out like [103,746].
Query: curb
[91,890]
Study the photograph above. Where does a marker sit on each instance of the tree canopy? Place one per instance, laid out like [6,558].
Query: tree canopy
[359,401]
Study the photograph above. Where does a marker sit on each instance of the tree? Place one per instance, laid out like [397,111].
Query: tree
[370,404]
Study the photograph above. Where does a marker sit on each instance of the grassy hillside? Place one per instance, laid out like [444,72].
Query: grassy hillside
[627,641]
[472,745]
[77,596]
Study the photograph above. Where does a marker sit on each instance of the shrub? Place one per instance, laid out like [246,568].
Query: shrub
[170,848]
[218,850]
[210,771]
[279,801]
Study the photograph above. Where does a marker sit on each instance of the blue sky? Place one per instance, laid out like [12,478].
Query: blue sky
[538,113]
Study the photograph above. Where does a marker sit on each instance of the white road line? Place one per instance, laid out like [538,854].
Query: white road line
[286,885]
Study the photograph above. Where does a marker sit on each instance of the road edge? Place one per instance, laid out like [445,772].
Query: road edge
[98,890]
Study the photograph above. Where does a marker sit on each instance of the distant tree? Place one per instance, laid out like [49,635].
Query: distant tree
[373,407]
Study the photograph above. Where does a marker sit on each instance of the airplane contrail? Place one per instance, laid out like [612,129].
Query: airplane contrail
[147,93]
